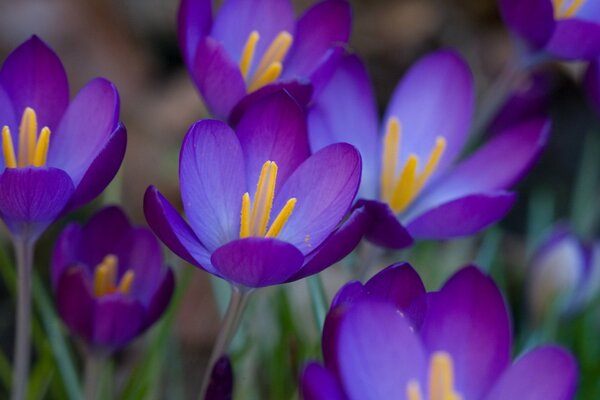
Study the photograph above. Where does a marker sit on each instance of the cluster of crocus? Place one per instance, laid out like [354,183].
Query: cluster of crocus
[389,339]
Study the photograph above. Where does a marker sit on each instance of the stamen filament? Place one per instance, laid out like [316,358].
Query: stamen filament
[245,217]
[41,149]
[441,378]
[282,218]
[432,163]
[390,156]
[271,74]
[275,53]
[573,8]
[263,198]
[404,189]
[248,53]
[8,149]
[413,390]
[126,282]
[105,275]
[27,137]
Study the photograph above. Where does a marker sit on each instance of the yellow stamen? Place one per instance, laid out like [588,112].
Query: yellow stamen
[270,75]
[441,377]
[105,275]
[248,53]
[245,217]
[8,149]
[404,189]
[126,282]
[413,390]
[560,12]
[282,218]
[391,149]
[27,137]
[41,149]
[432,163]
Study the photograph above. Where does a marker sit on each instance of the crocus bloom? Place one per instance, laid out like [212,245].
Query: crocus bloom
[261,209]
[563,270]
[56,154]
[109,279]
[389,339]
[254,45]
[567,29]
[411,184]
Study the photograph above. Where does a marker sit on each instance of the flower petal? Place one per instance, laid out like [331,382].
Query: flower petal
[257,262]
[218,77]
[273,129]
[75,303]
[517,15]
[421,103]
[33,76]
[468,319]
[546,373]
[32,198]
[463,216]
[318,383]
[211,174]
[220,386]
[385,230]
[118,320]
[345,112]
[575,39]
[323,202]
[161,298]
[85,129]
[65,251]
[398,284]
[194,20]
[322,26]
[7,118]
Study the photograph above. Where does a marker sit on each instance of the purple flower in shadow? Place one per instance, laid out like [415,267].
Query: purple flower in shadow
[412,184]
[257,47]
[109,279]
[389,339]
[56,154]
[261,210]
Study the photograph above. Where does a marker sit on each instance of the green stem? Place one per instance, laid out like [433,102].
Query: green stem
[22,350]
[94,364]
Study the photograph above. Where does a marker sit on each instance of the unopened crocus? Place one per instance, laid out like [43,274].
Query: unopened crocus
[110,281]
[56,154]
[261,210]
[563,276]
[412,184]
[389,339]
[566,29]
[256,47]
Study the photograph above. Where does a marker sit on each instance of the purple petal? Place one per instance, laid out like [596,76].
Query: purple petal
[345,112]
[273,129]
[378,352]
[7,117]
[385,229]
[211,174]
[517,15]
[420,102]
[326,68]
[348,294]
[118,319]
[236,19]
[463,216]
[323,202]
[33,76]
[337,246]
[575,39]
[220,386]
[161,298]
[469,320]
[218,77]
[102,169]
[168,225]
[32,198]
[398,284]
[65,251]
[75,303]
[85,129]
[546,373]
[318,383]
[194,20]
[257,262]
[322,26]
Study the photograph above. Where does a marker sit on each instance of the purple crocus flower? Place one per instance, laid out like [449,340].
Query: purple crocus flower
[389,339]
[258,46]
[261,209]
[109,279]
[411,183]
[567,29]
[56,155]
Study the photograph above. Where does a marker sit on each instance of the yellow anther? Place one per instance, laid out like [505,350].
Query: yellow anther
[282,218]
[561,11]
[413,390]
[41,148]
[248,53]
[8,149]
[404,189]
[27,137]
[271,74]
[126,282]
[441,377]
[432,163]
[391,149]
[105,275]
[245,216]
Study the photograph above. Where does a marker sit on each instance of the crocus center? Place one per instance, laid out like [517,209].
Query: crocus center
[566,8]
[256,213]
[399,189]
[270,66]
[105,278]
[441,380]
[32,147]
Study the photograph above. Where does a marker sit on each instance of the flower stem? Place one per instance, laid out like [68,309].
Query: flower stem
[231,320]
[22,351]
[94,363]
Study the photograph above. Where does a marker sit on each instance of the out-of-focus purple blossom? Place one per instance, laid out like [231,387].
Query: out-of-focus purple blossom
[567,29]
[261,210]
[564,275]
[412,184]
[389,339]
[56,154]
[257,47]
[220,386]
[109,280]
